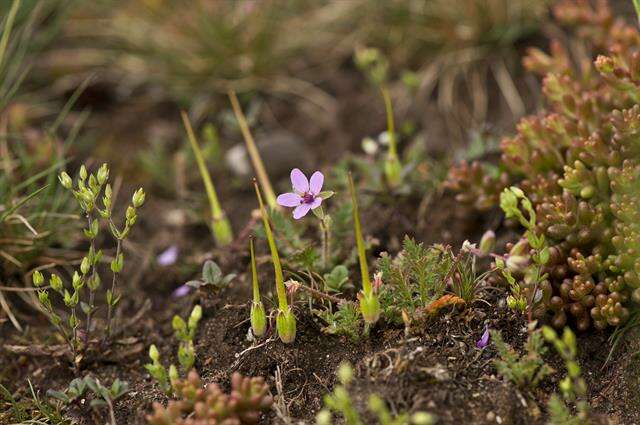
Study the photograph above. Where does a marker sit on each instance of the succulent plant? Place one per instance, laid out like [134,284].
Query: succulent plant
[578,162]
[200,405]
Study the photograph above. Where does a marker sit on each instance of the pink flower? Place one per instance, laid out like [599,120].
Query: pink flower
[305,196]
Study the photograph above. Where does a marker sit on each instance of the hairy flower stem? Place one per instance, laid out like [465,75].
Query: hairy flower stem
[392,167]
[256,160]
[219,223]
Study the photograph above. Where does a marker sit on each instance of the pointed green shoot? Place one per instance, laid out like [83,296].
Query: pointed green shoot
[285,319]
[369,303]
[362,256]
[254,154]
[280,289]
[392,166]
[636,4]
[258,316]
[219,223]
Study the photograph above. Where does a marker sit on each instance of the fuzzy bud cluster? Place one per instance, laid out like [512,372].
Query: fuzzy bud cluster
[579,164]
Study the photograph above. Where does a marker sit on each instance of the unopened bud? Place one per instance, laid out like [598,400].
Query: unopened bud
[65,180]
[85,265]
[153,353]
[487,242]
[138,198]
[37,278]
[258,319]
[103,174]
[286,326]
[370,307]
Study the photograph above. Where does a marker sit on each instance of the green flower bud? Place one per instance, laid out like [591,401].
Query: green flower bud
[323,417]
[43,297]
[103,174]
[487,242]
[258,319]
[85,265]
[83,173]
[131,213]
[286,326]
[393,170]
[423,418]
[117,263]
[77,281]
[369,307]
[345,373]
[154,354]
[37,278]
[55,282]
[70,300]
[194,318]
[173,374]
[138,198]
[65,180]
[178,324]
[94,282]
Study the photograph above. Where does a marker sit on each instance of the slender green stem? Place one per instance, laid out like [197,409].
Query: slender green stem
[393,146]
[113,291]
[74,330]
[280,289]
[93,273]
[219,222]
[256,160]
[325,242]
[254,273]
[362,256]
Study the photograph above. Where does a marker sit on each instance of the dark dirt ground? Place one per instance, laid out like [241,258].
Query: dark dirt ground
[437,368]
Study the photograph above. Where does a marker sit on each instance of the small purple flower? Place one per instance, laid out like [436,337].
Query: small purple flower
[168,257]
[484,339]
[181,291]
[305,196]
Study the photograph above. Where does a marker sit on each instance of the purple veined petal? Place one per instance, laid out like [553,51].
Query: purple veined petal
[168,257]
[301,211]
[316,203]
[299,181]
[316,182]
[484,339]
[289,199]
[181,291]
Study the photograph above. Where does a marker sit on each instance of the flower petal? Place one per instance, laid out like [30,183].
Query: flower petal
[168,257]
[484,340]
[299,181]
[181,291]
[289,199]
[316,203]
[301,211]
[315,185]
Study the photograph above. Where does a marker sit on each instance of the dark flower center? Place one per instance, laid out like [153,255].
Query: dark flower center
[308,198]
